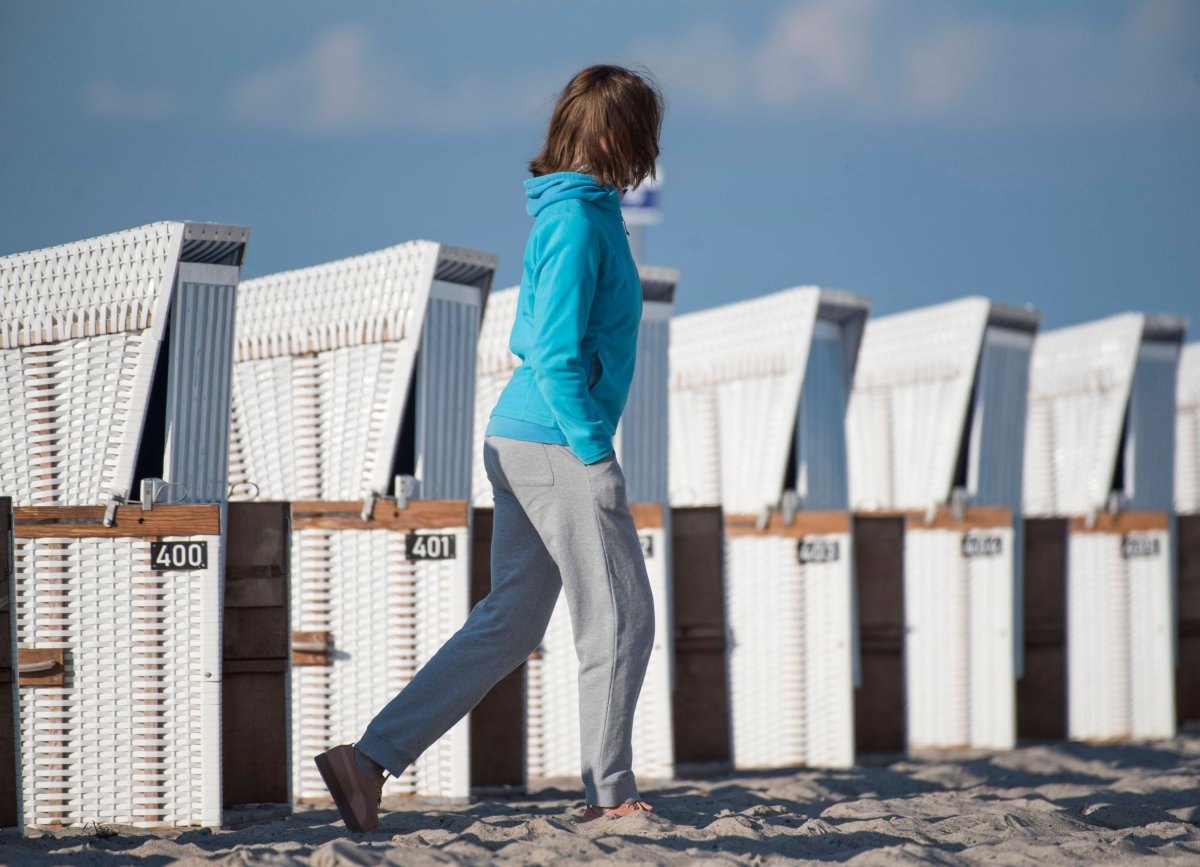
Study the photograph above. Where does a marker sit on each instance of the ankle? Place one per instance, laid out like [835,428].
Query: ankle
[368,764]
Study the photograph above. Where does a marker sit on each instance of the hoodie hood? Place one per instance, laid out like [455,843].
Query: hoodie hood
[547,189]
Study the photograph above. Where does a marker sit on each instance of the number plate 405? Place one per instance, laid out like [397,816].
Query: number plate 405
[430,546]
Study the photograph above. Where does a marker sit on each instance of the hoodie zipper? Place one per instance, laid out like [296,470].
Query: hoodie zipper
[623,224]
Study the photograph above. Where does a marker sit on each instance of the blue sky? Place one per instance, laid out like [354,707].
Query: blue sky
[910,150]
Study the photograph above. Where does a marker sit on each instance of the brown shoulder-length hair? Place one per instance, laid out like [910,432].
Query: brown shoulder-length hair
[607,122]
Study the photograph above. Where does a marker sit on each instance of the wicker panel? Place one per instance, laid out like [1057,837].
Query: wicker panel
[377,297]
[750,356]
[1098,654]
[313,426]
[790,656]
[1152,643]
[111,284]
[80,328]
[552,721]
[134,735]
[1079,386]
[694,448]
[1187,432]
[494,365]
[906,416]
[325,360]
[386,616]
[1119,639]
[75,412]
[958,646]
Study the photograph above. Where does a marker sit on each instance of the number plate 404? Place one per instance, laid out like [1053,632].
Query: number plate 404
[430,546]
[818,551]
[171,556]
[1140,546]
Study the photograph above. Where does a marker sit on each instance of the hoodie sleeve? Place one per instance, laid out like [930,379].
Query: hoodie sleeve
[565,272]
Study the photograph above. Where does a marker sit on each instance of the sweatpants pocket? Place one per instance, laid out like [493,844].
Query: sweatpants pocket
[524,464]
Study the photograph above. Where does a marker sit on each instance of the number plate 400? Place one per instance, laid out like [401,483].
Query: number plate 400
[432,546]
[170,556]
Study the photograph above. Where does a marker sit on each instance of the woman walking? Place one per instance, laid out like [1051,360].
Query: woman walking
[562,520]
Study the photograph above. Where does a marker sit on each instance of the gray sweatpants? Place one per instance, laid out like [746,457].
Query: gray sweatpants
[559,523]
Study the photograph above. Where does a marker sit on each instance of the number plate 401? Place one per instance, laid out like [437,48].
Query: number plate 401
[431,546]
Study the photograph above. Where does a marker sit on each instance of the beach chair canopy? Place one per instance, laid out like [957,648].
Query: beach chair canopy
[1101,415]
[327,359]
[939,403]
[89,408]
[737,423]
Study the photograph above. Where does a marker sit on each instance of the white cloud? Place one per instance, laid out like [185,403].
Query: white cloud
[876,61]
[869,60]
[344,83]
[106,98]
[819,49]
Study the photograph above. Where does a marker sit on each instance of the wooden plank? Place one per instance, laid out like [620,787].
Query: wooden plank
[647,516]
[700,698]
[253,666]
[1187,671]
[974,518]
[804,524]
[42,522]
[254,738]
[1042,691]
[255,655]
[303,648]
[8,692]
[497,727]
[1122,522]
[879,705]
[347,515]
[41,666]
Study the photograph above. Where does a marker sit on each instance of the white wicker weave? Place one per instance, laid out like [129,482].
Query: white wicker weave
[744,379]
[80,329]
[932,385]
[1187,432]
[325,357]
[1103,395]
[958,640]
[387,616]
[912,389]
[790,682]
[1079,386]
[133,736]
[1120,674]
[741,366]
[330,361]
[552,690]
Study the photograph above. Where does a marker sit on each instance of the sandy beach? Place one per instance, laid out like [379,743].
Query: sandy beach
[1041,804]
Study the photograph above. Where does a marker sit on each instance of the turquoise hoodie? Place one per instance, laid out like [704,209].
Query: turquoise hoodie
[578,312]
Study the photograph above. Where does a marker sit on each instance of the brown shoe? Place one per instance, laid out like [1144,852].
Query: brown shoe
[592,812]
[356,791]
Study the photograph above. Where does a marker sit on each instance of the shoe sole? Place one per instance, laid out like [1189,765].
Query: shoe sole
[339,794]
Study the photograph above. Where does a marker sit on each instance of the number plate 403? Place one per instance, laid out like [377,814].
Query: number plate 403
[172,556]
[817,551]
[430,546]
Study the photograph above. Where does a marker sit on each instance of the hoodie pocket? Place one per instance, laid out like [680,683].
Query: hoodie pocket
[596,371]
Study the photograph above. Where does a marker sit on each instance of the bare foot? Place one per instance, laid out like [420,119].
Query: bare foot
[593,812]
